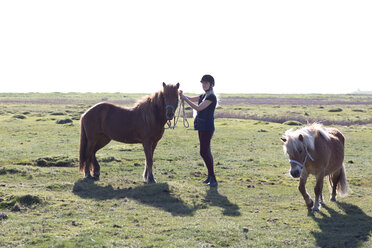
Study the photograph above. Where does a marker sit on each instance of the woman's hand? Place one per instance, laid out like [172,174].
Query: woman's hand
[182,96]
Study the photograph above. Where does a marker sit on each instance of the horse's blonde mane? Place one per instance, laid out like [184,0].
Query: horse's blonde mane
[308,133]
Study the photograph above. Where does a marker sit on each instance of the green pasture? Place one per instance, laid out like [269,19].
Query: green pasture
[44,201]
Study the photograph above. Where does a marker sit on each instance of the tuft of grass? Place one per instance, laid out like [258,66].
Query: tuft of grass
[28,200]
[19,117]
[64,121]
[335,110]
[4,171]
[24,200]
[57,161]
[359,110]
[110,159]
[292,123]
[57,113]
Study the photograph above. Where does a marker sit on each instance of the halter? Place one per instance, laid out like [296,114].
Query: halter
[170,106]
[303,164]
[185,121]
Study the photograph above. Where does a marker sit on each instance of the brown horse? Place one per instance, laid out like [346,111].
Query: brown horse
[319,151]
[143,123]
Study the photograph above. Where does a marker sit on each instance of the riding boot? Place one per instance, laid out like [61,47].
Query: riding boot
[208,179]
[213,182]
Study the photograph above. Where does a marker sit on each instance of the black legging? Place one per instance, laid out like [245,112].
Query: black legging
[205,149]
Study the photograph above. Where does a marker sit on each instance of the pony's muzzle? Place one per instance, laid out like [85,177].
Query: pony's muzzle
[169,112]
[295,172]
[169,116]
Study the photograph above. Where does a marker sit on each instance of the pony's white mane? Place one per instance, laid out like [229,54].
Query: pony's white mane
[308,133]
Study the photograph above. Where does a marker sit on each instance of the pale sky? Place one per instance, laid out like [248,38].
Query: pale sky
[133,46]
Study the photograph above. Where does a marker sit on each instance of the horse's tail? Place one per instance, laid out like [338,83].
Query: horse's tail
[83,147]
[342,187]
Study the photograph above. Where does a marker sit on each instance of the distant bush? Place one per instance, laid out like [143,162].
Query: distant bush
[335,110]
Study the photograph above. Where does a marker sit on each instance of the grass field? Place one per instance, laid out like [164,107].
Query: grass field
[44,201]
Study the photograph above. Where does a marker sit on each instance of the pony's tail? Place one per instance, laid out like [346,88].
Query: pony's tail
[83,148]
[342,187]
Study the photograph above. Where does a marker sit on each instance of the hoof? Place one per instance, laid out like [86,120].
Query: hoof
[333,199]
[315,210]
[212,184]
[150,181]
[206,181]
[96,177]
[88,176]
[310,205]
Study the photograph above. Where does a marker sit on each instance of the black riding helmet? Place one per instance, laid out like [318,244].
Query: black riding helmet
[208,78]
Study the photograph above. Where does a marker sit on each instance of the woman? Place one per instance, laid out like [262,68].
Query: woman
[205,105]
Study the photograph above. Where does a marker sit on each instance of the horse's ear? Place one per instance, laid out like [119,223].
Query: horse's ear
[301,138]
[178,85]
[284,139]
[164,84]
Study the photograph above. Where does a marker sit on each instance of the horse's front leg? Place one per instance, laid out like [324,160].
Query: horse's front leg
[148,177]
[318,192]
[302,189]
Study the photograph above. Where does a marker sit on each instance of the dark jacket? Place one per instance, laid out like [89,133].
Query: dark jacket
[204,120]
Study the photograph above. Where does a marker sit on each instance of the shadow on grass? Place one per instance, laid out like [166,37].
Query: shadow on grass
[215,199]
[350,230]
[156,195]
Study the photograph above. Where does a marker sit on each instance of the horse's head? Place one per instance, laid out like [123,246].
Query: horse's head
[170,93]
[295,145]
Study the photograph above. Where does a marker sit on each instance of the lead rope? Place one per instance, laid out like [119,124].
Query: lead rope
[175,120]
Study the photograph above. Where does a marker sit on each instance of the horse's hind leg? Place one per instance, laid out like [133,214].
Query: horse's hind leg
[87,168]
[90,159]
[96,168]
[302,189]
[334,180]
[103,141]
